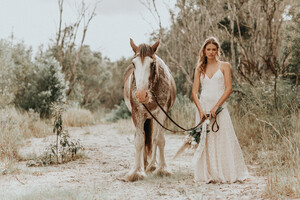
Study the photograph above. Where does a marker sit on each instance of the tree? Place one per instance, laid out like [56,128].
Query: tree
[290,60]
[65,49]
[43,86]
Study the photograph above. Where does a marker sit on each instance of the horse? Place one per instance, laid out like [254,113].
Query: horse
[147,78]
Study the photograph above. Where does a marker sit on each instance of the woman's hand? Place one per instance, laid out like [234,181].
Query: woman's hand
[202,115]
[213,111]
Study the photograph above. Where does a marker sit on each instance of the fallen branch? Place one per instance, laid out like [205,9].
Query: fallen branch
[19,180]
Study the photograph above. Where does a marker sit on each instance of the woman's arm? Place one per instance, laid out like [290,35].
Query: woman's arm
[228,90]
[195,92]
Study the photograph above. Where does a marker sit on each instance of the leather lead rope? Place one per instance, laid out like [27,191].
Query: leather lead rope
[182,129]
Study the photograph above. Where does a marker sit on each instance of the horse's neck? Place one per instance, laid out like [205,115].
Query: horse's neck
[128,72]
[162,64]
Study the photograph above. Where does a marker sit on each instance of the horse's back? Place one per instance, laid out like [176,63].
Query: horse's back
[168,77]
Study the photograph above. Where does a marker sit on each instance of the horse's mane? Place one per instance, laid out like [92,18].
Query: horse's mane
[128,72]
[143,51]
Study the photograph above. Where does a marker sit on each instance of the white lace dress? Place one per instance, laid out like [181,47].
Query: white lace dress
[219,156]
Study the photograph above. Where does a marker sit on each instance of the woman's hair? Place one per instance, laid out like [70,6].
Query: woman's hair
[202,61]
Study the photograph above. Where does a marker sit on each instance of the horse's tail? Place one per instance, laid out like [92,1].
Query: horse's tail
[148,127]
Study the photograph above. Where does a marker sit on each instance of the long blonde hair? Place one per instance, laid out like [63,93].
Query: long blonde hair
[202,61]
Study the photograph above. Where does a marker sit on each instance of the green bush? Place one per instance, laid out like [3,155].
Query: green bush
[120,112]
[15,62]
[44,86]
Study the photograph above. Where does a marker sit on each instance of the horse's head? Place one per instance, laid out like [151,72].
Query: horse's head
[145,70]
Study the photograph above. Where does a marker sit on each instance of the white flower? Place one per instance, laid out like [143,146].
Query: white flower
[188,138]
[207,121]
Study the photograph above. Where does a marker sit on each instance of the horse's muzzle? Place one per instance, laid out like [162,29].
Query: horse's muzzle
[142,96]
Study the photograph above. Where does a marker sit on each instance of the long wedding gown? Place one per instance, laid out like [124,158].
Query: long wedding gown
[219,157]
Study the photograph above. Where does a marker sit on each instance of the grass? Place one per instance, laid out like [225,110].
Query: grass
[75,117]
[15,127]
[183,112]
[125,126]
[269,136]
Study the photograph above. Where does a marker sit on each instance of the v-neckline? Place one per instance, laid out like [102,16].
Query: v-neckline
[213,74]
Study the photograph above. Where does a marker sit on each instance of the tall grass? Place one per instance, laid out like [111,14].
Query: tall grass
[75,116]
[183,112]
[16,126]
[270,135]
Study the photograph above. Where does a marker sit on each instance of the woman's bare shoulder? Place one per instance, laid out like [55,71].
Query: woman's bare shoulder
[224,65]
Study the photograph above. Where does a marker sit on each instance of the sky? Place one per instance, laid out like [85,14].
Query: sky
[36,22]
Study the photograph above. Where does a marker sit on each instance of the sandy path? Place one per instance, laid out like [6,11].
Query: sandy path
[108,157]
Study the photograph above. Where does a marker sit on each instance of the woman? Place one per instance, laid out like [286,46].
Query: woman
[218,157]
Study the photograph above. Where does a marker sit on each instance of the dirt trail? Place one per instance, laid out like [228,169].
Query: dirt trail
[108,157]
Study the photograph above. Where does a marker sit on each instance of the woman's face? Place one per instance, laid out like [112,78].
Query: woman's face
[211,51]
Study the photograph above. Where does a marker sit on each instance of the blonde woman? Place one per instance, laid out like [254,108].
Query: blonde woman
[218,157]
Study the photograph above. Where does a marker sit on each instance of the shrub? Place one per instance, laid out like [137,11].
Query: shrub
[64,149]
[15,62]
[44,86]
[120,112]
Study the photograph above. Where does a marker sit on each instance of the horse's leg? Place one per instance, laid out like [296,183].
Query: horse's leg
[161,170]
[152,164]
[138,172]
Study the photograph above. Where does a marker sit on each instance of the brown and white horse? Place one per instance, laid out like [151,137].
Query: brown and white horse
[148,75]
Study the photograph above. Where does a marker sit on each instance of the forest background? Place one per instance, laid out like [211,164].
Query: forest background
[260,39]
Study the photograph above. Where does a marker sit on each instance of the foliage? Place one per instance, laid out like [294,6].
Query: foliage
[91,82]
[183,111]
[291,48]
[42,87]
[269,134]
[120,112]
[15,63]
[15,128]
[64,150]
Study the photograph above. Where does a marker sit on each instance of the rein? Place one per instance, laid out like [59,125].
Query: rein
[168,116]
[182,129]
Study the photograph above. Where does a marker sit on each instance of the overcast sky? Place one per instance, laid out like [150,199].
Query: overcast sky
[36,22]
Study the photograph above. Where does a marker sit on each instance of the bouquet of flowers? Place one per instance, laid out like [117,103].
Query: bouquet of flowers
[192,139]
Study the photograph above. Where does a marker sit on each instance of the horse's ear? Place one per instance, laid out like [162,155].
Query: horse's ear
[133,46]
[155,46]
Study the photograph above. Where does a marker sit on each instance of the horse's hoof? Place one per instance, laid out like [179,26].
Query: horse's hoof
[150,168]
[134,176]
[162,172]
